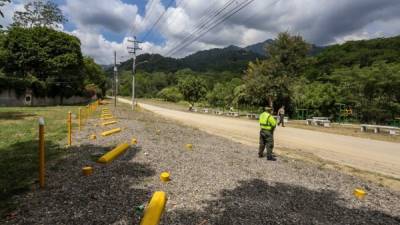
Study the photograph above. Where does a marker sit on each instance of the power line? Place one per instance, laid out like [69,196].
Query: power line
[158,20]
[212,25]
[149,11]
[201,25]
[177,3]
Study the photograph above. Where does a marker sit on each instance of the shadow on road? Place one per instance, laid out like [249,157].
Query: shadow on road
[108,196]
[19,168]
[15,115]
[258,202]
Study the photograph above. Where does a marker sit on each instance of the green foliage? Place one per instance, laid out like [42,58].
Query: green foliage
[372,91]
[361,75]
[269,80]
[94,76]
[171,94]
[358,53]
[51,56]
[47,61]
[39,13]
[288,55]
[223,94]
[192,88]
[320,97]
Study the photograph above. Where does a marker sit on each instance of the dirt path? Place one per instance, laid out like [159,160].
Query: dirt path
[370,155]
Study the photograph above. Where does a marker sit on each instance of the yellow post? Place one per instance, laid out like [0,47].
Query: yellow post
[69,123]
[155,209]
[41,153]
[80,118]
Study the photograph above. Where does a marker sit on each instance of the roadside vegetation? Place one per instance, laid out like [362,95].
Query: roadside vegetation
[19,146]
[358,81]
[34,55]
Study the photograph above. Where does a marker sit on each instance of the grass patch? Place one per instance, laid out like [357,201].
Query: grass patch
[19,146]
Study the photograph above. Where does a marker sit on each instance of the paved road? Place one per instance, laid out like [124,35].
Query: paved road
[371,155]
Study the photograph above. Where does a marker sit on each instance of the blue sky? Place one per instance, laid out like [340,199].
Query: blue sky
[118,37]
[105,25]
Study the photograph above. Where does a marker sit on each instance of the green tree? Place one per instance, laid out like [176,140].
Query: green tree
[192,88]
[372,91]
[170,94]
[51,56]
[39,13]
[94,75]
[269,80]
[223,94]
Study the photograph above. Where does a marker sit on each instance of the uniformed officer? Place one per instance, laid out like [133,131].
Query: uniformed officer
[267,125]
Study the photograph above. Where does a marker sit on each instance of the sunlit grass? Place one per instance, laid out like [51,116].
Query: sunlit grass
[19,146]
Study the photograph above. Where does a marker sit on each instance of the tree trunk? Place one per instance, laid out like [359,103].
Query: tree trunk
[271,103]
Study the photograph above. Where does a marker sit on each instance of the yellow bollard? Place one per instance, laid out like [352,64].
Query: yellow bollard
[111,155]
[164,176]
[92,137]
[41,153]
[87,170]
[107,117]
[80,119]
[109,123]
[109,132]
[359,193]
[154,210]
[189,146]
[69,124]
[133,141]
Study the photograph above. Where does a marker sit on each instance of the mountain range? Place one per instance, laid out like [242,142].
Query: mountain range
[231,58]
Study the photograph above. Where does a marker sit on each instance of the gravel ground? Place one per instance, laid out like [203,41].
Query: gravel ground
[217,182]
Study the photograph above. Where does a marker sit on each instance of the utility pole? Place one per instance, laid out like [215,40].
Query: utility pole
[115,80]
[132,50]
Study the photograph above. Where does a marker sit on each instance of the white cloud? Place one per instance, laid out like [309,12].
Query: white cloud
[96,46]
[319,21]
[8,10]
[112,15]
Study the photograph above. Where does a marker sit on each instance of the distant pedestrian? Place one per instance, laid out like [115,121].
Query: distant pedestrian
[190,107]
[267,125]
[281,115]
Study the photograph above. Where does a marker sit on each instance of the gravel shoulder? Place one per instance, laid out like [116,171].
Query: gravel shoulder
[219,181]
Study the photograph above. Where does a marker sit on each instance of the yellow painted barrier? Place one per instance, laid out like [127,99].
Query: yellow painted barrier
[107,117]
[155,209]
[189,146]
[87,170]
[359,193]
[164,177]
[109,156]
[109,132]
[41,153]
[69,126]
[109,123]
[80,118]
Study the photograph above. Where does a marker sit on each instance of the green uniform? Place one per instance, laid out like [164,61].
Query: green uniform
[267,125]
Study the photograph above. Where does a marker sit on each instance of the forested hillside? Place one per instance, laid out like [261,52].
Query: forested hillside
[358,76]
